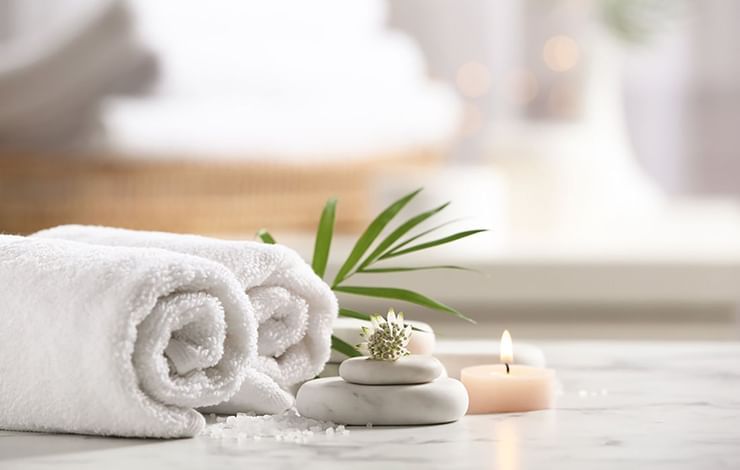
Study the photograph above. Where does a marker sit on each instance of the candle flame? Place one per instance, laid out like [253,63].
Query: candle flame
[507,350]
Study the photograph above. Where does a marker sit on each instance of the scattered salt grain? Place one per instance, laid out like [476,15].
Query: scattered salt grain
[288,426]
[582,393]
[369,425]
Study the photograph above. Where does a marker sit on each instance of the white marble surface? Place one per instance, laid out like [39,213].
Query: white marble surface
[623,405]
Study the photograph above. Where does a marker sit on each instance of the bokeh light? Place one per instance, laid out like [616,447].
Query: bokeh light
[473,79]
[561,53]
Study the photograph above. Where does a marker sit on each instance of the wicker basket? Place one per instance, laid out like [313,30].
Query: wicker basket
[186,195]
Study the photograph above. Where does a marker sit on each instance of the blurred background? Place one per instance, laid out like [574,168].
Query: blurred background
[597,139]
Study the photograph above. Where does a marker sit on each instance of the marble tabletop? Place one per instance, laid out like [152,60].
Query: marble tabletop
[622,405]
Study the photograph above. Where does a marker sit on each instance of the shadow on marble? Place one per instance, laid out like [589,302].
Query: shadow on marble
[19,445]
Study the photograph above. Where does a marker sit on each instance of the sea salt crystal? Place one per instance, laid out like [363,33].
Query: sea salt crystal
[288,426]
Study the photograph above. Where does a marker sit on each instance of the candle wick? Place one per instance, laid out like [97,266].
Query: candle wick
[507,367]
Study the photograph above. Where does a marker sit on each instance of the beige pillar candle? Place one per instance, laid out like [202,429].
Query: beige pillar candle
[504,388]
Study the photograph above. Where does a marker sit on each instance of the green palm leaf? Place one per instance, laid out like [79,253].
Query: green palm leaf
[265,236]
[370,234]
[399,269]
[345,312]
[344,347]
[402,230]
[324,234]
[401,294]
[419,235]
[433,243]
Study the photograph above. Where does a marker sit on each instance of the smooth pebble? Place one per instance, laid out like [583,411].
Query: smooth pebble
[414,369]
[333,399]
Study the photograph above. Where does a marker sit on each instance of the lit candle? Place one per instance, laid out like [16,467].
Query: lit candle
[508,387]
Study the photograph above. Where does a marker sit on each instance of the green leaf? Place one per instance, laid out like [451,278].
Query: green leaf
[344,347]
[370,234]
[402,230]
[324,234]
[416,237]
[265,236]
[433,243]
[401,294]
[345,312]
[398,269]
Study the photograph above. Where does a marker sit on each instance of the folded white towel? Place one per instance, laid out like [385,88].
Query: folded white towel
[117,341]
[294,307]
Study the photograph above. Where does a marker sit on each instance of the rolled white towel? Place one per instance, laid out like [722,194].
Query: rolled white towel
[117,341]
[294,307]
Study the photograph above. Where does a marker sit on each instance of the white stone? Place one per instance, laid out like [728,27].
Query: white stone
[348,330]
[414,369]
[332,399]
[332,370]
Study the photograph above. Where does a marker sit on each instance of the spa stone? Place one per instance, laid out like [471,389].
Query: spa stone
[414,369]
[332,399]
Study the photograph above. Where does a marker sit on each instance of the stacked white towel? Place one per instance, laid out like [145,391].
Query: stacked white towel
[117,341]
[294,307]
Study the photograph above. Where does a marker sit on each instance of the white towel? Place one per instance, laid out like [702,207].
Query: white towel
[294,307]
[117,341]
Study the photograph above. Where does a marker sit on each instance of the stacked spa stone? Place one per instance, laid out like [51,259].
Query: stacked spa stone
[391,387]
[411,390]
